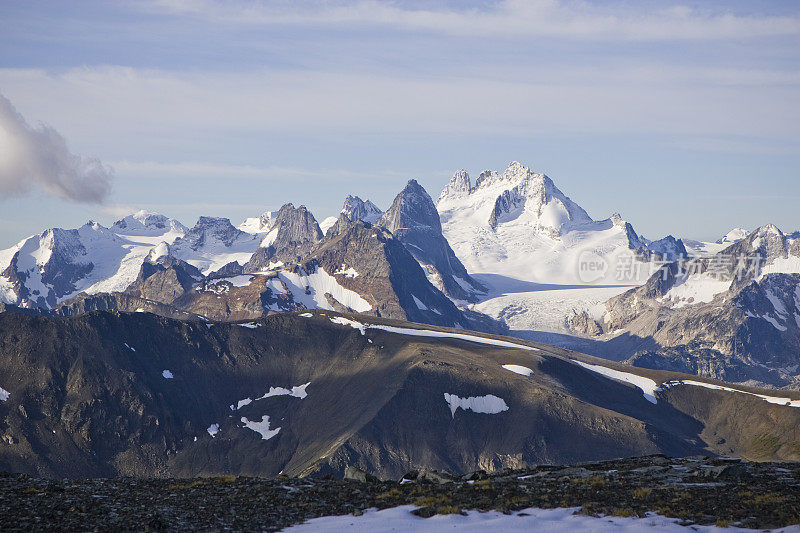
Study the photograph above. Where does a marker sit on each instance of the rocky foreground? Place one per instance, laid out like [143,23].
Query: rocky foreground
[695,490]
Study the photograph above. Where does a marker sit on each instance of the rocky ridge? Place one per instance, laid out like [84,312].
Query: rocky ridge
[697,491]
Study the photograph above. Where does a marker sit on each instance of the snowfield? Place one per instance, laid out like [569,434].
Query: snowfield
[695,289]
[560,520]
[319,284]
[528,307]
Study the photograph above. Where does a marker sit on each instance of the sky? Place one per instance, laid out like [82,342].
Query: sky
[684,117]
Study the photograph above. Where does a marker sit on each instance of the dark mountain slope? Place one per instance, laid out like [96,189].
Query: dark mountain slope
[107,394]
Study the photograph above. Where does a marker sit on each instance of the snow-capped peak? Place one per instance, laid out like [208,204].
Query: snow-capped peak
[259,224]
[458,186]
[357,209]
[159,251]
[145,223]
[517,195]
[734,235]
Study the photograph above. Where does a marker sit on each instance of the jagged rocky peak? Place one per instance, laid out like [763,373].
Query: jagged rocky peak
[294,232]
[669,248]
[212,228]
[516,194]
[768,241]
[295,224]
[414,220]
[413,207]
[551,207]
[357,209]
[459,186]
[147,223]
[341,225]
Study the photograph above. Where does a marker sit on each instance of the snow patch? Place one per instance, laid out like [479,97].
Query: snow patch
[774,323]
[295,392]
[647,385]
[270,238]
[213,429]
[236,281]
[518,369]
[489,404]
[446,335]
[342,321]
[770,399]
[166,374]
[349,272]
[327,224]
[262,427]
[421,306]
[694,289]
[559,520]
[318,285]
[4,394]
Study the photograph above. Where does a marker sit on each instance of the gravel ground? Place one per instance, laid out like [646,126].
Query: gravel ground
[695,490]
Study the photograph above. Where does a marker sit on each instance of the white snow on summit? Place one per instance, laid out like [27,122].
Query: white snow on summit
[518,224]
[518,234]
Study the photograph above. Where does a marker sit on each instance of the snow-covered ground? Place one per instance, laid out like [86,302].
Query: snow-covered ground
[545,307]
[319,284]
[400,519]
[695,289]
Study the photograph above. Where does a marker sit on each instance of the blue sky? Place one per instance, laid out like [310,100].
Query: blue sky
[684,117]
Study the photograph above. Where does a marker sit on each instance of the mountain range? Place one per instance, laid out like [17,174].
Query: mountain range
[510,253]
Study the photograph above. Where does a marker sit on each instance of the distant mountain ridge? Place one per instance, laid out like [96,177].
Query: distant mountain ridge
[509,252]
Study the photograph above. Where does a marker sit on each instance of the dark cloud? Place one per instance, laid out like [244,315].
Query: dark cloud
[39,158]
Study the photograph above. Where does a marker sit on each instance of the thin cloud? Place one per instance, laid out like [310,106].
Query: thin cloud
[505,19]
[38,157]
[143,104]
